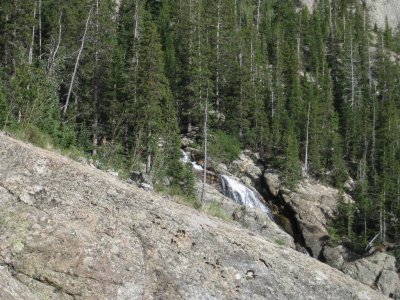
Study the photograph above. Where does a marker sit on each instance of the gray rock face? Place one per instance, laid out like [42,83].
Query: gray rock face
[379,10]
[87,235]
[397,294]
[313,204]
[245,166]
[308,3]
[377,271]
[271,179]
[337,256]
[254,220]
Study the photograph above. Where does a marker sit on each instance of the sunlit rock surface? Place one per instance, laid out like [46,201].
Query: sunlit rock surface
[69,231]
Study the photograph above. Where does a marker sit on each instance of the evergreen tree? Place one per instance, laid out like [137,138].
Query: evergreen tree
[291,165]
[154,110]
[4,111]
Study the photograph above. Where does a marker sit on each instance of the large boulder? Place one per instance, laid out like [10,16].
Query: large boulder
[377,271]
[313,206]
[68,231]
[271,180]
[246,166]
[338,256]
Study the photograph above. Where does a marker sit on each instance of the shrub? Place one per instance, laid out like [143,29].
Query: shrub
[224,147]
[179,195]
[34,135]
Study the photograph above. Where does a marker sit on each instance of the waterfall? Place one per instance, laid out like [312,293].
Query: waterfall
[242,195]
[233,189]
[186,159]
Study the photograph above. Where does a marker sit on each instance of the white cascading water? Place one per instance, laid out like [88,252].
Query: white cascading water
[186,159]
[242,195]
[233,189]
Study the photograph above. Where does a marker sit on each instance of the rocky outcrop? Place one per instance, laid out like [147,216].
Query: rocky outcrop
[338,256]
[312,206]
[254,220]
[246,168]
[379,11]
[377,271]
[271,180]
[68,231]
[382,10]
[308,3]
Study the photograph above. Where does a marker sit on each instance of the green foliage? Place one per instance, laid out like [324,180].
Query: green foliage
[291,165]
[396,254]
[35,100]
[335,237]
[66,137]
[183,178]
[224,147]
[4,110]
[280,242]
[34,135]
[179,195]
[75,153]
[112,157]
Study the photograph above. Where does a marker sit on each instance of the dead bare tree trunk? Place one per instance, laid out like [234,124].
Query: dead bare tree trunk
[30,58]
[217,53]
[135,59]
[149,156]
[258,19]
[240,57]
[353,79]
[95,125]
[373,135]
[382,217]
[330,15]
[205,146]
[52,58]
[40,29]
[77,62]
[191,30]
[307,138]
[199,53]
[271,86]
[14,38]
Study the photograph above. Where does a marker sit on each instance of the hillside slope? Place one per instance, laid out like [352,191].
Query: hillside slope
[68,231]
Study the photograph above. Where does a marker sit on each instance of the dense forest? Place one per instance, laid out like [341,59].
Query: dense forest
[315,93]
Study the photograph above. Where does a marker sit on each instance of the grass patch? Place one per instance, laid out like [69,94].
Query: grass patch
[280,242]
[74,153]
[178,195]
[33,135]
[217,210]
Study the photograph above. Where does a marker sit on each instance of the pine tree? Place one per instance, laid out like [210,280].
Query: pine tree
[291,164]
[4,110]
[154,110]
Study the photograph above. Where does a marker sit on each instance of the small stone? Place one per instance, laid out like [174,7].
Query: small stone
[26,198]
[146,187]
